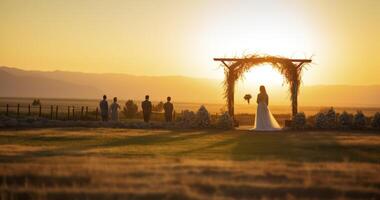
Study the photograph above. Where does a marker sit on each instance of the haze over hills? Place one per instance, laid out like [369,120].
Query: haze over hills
[16,82]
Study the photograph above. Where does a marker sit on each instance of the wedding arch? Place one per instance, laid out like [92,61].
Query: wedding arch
[234,68]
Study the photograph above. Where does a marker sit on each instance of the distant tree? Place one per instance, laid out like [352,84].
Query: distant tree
[130,109]
[159,107]
[36,102]
[248,97]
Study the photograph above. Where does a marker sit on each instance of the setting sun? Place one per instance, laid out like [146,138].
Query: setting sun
[263,75]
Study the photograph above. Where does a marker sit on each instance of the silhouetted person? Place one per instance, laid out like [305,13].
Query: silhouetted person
[147,108]
[114,109]
[104,108]
[168,108]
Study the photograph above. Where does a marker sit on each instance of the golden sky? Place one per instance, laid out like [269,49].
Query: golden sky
[180,37]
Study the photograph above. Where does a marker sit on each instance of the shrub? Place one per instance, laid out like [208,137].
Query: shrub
[359,120]
[345,120]
[186,120]
[225,121]
[159,107]
[331,121]
[202,117]
[36,102]
[130,109]
[375,123]
[299,121]
[320,120]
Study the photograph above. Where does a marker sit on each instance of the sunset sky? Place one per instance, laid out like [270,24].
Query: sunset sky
[164,37]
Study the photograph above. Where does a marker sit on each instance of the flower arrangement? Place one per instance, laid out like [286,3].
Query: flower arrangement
[375,123]
[359,120]
[186,119]
[345,120]
[299,121]
[202,117]
[321,120]
[225,121]
[248,97]
[331,119]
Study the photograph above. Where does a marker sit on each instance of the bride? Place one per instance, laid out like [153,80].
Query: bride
[264,120]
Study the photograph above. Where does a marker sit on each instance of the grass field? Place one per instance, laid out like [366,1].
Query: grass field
[80,163]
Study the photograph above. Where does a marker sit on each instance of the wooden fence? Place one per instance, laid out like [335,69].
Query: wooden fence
[67,112]
[51,111]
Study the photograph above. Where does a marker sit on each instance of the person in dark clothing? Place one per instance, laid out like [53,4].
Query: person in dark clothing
[168,108]
[147,108]
[104,108]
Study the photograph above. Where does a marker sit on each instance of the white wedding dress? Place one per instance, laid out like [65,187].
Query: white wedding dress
[264,120]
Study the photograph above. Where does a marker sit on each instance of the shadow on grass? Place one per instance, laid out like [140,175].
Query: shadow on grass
[301,147]
[234,145]
[76,145]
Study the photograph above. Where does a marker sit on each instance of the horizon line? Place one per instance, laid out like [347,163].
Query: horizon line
[177,75]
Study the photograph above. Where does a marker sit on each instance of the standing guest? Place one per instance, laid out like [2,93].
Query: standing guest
[168,107]
[104,108]
[115,110]
[147,108]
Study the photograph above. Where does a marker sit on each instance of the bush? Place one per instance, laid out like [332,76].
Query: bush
[225,121]
[345,120]
[130,109]
[36,102]
[299,121]
[331,121]
[159,107]
[202,117]
[186,120]
[320,120]
[359,120]
[375,123]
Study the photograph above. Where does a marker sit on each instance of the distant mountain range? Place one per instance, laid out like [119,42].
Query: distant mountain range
[16,82]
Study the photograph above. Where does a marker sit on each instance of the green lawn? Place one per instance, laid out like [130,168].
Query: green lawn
[99,163]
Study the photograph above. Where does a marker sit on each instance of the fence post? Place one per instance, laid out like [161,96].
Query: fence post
[51,112]
[7,111]
[86,112]
[18,110]
[68,112]
[56,112]
[96,113]
[29,110]
[73,112]
[81,113]
[40,112]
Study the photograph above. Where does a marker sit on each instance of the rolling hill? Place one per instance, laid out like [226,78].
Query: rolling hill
[15,82]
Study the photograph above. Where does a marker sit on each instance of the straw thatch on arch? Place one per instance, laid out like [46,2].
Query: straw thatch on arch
[291,69]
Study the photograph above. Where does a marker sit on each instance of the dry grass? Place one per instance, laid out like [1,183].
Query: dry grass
[160,164]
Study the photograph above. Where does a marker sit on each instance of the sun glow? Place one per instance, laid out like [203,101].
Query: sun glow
[261,75]
[264,75]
